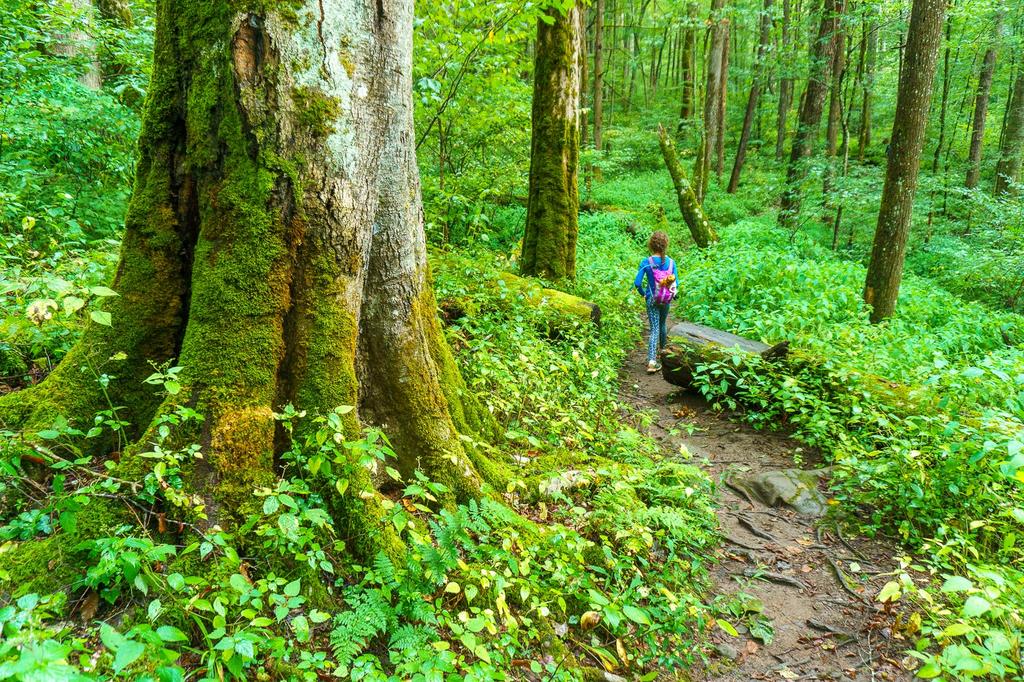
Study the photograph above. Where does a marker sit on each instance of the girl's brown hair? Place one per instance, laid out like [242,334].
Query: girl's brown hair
[658,243]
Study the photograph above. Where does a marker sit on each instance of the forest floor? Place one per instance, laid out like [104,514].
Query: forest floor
[821,630]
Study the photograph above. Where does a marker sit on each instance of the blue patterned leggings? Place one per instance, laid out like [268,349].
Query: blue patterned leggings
[658,317]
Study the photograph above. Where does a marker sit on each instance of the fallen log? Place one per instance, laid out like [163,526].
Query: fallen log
[506,291]
[691,344]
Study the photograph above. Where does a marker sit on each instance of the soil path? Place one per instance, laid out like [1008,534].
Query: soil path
[821,631]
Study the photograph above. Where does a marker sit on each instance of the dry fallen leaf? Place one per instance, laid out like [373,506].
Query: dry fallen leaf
[589,620]
[90,605]
[788,674]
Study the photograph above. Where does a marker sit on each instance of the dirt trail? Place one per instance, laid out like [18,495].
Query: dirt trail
[821,631]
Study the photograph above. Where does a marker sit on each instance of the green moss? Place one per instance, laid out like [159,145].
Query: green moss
[315,111]
[52,564]
[552,221]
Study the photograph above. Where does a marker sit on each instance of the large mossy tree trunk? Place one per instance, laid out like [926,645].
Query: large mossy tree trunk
[693,215]
[552,212]
[274,249]
[811,107]
[1008,168]
[981,100]
[885,269]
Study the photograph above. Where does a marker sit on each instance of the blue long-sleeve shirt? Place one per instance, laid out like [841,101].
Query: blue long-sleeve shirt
[644,282]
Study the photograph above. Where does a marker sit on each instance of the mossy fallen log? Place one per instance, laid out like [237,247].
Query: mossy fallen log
[506,291]
[692,344]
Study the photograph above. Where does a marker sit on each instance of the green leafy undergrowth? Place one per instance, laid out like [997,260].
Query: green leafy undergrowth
[923,417]
[595,555]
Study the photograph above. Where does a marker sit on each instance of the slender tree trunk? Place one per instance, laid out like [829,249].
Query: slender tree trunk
[752,100]
[689,56]
[946,78]
[722,102]
[274,247]
[988,66]
[785,84]
[835,92]
[885,269]
[870,58]
[598,74]
[79,43]
[811,106]
[552,214]
[835,113]
[1010,151]
[712,97]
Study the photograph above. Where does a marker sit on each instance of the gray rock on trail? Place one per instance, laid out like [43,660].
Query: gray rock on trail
[726,651]
[793,488]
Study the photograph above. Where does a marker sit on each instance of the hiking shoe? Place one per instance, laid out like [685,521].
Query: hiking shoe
[653,367]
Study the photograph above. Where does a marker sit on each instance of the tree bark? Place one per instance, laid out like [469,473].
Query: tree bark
[274,247]
[946,79]
[598,74]
[1010,151]
[835,113]
[785,84]
[838,68]
[689,68]
[80,44]
[811,106]
[552,213]
[693,215]
[885,269]
[723,90]
[752,100]
[868,83]
[712,97]
[981,100]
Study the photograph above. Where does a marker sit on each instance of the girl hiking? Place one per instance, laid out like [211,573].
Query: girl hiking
[656,282]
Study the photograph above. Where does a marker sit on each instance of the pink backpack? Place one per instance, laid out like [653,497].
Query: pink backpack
[664,282]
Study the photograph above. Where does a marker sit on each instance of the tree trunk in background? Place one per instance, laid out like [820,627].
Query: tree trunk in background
[117,11]
[752,100]
[838,68]
[946,77]
[80,44]
[689,67]
[868,83]
[274,247]
[811,106]
[723,93]
[598,74]
[693,215]
[981,99]
[885,269]
[712,98]
[1012,145]
[835,113]
[785,83]
[552,212]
